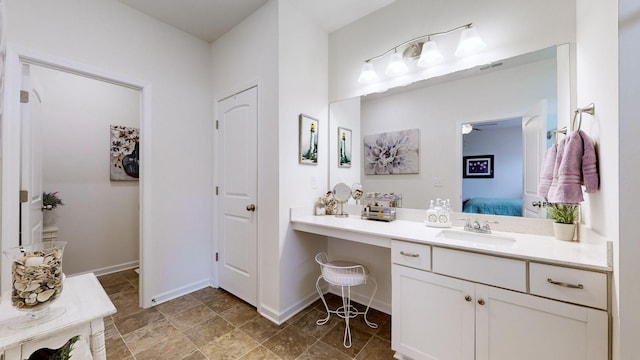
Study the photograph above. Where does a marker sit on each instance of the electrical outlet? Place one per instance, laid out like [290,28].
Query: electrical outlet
[437,182]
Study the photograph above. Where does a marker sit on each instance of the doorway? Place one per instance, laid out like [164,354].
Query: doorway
[83,124]
[11,164]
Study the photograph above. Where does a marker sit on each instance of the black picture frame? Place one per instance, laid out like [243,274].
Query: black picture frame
[477,167]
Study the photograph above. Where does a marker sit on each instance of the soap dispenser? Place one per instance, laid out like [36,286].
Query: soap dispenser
[432,214]
[444,217]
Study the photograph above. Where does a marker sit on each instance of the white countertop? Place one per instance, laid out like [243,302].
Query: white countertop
[547,249]
[83,298]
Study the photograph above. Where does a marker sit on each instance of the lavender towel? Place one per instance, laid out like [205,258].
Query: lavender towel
[575,165]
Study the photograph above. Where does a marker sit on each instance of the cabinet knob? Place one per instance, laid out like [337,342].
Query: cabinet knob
[481,301]
[251,207]
[468,298]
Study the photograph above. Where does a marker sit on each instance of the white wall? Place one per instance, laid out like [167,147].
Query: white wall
[505,145]
[3,52]
[283,52]
[508,27]
[100,217]
[248,54]
[303,88]
[176,203]
[438,111]
[628,267]
[597,82]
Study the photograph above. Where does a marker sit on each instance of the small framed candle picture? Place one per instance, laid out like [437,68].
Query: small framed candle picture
[308,148]
[344,147]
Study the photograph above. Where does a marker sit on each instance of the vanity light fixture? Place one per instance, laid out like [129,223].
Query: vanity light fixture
[426,52]
[396,65]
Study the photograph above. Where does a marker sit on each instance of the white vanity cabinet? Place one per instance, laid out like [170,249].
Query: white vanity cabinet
[447,312]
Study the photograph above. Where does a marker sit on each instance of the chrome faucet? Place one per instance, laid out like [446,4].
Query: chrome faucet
[476,227]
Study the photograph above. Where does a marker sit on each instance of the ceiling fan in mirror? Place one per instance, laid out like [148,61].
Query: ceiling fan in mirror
[468,128]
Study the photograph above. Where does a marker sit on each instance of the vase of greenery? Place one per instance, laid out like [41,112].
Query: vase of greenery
[564,220]
[50,201]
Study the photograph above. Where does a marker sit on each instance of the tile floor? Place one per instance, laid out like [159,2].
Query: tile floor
[213,324]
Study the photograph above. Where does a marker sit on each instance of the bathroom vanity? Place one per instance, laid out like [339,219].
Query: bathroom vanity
[462,295]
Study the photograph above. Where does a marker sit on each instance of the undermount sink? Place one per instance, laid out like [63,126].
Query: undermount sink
[478,238]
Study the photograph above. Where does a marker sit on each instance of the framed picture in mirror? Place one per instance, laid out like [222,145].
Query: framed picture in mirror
[477,166]
[344,147]
[308,148]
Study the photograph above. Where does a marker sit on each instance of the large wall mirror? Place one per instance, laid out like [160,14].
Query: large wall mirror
[507,109]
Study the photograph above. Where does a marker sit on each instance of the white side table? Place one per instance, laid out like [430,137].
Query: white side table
[86,306]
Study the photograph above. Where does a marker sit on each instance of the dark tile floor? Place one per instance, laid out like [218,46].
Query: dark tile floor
[213,324]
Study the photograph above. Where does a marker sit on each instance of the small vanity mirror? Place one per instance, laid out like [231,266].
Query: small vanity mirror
[356,192]
[342,193]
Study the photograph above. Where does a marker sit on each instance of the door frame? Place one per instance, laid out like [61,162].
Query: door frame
[11,148]
[215,273]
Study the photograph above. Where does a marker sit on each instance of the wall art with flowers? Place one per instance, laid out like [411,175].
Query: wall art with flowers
[392,153]
[125,153]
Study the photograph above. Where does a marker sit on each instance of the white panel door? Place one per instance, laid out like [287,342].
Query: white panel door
[511,325]
[534,135]
[433,315]
[237,193]
[31,166]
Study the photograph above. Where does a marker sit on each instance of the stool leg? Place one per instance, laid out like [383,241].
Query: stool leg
[346,303]
[322,321]
[375,289]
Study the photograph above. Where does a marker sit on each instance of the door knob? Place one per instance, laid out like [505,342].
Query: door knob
[251,207]
[539,203]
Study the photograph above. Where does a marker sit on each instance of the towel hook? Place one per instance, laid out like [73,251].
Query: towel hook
[589,109]
[555,133]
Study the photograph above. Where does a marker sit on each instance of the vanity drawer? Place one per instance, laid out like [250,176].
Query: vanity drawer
[411,254]
[486,269]
[571,285]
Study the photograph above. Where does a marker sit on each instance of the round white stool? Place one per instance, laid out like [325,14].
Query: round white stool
[344,274]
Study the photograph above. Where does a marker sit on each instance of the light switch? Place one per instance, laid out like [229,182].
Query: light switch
[314,182]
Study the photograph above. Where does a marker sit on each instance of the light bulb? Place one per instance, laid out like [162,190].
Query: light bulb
[396,65]
[368,74]
[470,43]
[430,54]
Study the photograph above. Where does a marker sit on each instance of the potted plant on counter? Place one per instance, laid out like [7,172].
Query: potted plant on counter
[50,201]
[564,218]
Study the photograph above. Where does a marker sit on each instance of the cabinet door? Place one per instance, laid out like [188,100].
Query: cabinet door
[431,319]
[511,325]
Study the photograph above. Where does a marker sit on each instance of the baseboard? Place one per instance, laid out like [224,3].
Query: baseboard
[181,291]
[282,316]
[364,299]
[111,269]
[279,317]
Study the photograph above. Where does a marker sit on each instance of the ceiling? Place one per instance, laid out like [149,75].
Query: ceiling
[210,19]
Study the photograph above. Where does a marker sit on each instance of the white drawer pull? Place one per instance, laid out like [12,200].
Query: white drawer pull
[564,284]
[409,254]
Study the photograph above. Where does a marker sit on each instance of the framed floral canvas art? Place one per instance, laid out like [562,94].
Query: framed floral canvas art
[392,153]
[125,153]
